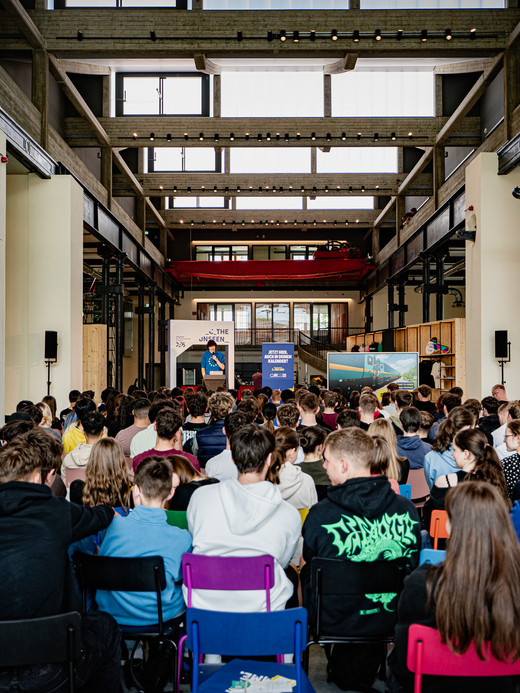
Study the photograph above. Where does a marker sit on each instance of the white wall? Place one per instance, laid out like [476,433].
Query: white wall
[44,285]
[492,265]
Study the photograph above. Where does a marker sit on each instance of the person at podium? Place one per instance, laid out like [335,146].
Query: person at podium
[212,361]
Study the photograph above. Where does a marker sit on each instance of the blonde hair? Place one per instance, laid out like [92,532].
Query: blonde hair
[47,414]
[384,429]
[107,479]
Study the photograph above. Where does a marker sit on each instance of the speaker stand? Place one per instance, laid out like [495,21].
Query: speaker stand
[502,362]
[48,364]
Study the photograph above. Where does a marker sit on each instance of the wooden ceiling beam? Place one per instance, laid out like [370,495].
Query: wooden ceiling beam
[171,131]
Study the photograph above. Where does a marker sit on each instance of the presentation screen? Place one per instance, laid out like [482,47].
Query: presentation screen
[377,369]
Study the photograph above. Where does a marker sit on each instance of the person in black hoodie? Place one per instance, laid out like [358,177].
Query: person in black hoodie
[410,444]
[489,420]
[36,530]
[362,519]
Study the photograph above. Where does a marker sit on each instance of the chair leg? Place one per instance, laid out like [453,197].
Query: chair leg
[305,658]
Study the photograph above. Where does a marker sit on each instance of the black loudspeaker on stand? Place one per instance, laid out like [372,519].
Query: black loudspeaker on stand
[502,350]
[50,354]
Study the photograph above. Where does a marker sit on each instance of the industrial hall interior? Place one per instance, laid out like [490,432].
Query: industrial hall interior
[315,171]
[258,277]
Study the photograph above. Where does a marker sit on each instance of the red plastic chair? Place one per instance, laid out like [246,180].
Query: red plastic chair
[226,573]
[428,655]
[420,488]
[438,527]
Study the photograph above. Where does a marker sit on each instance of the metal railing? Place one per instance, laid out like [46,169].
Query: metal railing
[335,337]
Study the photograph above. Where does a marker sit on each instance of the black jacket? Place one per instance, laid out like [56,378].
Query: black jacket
[36,530]
[363,520]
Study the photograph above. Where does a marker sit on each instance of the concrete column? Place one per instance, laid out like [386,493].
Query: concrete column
[492,263]
[3,213]
[44,286]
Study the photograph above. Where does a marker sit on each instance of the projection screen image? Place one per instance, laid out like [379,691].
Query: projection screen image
[353,371]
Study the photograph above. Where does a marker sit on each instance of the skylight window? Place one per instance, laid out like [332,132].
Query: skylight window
[358,160]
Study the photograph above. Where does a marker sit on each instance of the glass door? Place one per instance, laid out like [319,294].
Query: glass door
[320,322]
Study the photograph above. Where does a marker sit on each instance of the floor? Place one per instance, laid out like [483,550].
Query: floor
[317,676]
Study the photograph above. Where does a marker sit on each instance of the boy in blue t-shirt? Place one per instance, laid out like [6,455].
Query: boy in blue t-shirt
[145,532]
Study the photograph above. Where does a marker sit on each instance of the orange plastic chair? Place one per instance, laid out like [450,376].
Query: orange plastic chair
[438,527]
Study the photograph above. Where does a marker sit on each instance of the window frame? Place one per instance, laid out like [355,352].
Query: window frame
[205,94]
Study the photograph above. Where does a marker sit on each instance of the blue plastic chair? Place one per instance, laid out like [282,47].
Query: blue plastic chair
[431,556]
[406,491]
[515,517]
[246,634]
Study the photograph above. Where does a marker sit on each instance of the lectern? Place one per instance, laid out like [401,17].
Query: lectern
[213,381]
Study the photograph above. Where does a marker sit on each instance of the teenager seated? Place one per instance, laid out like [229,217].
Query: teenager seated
[472,598]
[145,532]
[186,480]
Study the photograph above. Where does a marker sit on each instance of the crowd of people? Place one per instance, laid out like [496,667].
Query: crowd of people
[99,477]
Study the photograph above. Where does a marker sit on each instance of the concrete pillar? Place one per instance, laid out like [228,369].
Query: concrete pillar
[492,263]
[44,286]
[3,212]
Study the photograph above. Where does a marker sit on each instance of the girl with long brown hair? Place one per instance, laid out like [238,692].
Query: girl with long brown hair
[471,598]
[107,479]
[296,488]
[476,460]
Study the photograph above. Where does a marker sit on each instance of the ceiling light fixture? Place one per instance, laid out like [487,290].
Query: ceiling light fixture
[355,36]
[334,34]
[377,35]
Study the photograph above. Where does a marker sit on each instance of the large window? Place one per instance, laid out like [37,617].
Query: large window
[218,253]
[357,160]
[183,159]
[270,160]
[195,202]
[302,252]
[367,93]
[183,93]
[269,252]
[430,4]
[276,4]
[339,202]
[269,202]
[272,94]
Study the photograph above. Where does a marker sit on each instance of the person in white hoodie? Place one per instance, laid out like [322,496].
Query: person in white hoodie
[296,488]
[245,517]
[93,425]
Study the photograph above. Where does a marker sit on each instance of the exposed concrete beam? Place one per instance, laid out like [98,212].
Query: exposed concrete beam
[84,68]
[417,169]
[256,218]
[136,186]
[474,94]
[202,64]
[79,103]
[262,185]
[134,131]
[25,22]
[118,34]
[478,65]
[344,64]
[386,211]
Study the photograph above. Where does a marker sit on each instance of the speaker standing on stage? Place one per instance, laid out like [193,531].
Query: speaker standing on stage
[212,361]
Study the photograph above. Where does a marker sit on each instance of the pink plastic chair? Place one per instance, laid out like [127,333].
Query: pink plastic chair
[226,573]
[73,474]
[428,655]
[420,489]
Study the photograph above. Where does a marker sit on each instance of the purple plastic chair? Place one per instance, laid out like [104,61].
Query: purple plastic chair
[428,655]
[226,573]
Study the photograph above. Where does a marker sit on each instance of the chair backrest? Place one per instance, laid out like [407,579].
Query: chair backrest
[354,599]
[431,556]
[420,488]
[406,491]
[438,526]
[247,634]
[73,474]
[142,574]
[40,640]
[428,655]
[177,518]
[228,573]
[515,517]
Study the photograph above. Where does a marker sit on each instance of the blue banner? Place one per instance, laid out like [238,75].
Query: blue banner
[278,366]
